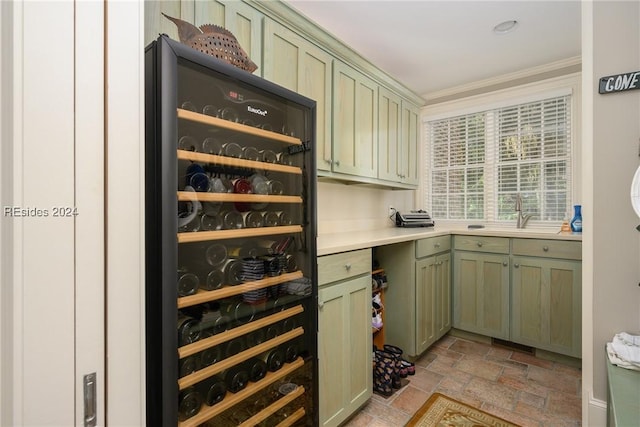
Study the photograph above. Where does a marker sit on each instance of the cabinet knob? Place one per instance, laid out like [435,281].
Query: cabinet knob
[328,161]
[479,244]
[545,248]
[337,162]
[320,304]
[505,263]
[437,245]
[347,266]
[516,265]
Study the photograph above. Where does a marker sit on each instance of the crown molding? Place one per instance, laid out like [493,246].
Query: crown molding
[556,68]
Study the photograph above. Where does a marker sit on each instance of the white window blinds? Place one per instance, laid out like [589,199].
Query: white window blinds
[478,162]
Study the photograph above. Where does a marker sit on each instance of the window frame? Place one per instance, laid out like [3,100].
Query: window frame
[537,91]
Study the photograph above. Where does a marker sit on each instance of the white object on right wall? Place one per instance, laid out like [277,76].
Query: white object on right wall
[635,192]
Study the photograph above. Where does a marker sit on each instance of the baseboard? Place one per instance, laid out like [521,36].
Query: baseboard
[470,336]
[596,413]
[560,358]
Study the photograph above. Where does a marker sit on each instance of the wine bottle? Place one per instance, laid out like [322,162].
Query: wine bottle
[291,351]
[272,331]
[188,283]
[188,329]
[236,378]
[233,272]
[274,359]
[234,347]
[189,403]
[215,280]
[254,338]
[210,356]
[212,320]
[238,310]
[187,366]
[257,369]
[212,390]
[248,249]
[216,254]
[289,324]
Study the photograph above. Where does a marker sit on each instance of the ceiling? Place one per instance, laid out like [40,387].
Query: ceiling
[432,46]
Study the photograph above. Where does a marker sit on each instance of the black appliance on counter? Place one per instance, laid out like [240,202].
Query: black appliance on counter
[417,218]
[231,274]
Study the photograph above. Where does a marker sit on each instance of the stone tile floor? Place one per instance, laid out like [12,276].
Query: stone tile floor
[516,386]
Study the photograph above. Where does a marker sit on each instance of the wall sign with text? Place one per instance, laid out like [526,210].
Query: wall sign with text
[620,82]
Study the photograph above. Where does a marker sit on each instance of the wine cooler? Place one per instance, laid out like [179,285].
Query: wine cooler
[231,276]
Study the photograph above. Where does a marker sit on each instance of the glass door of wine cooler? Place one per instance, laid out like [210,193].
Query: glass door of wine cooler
[231,274]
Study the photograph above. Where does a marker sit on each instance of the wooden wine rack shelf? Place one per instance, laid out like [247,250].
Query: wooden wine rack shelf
[203,236]
[190,196]
[236,127]
[196,347]
[247,354]
[229,291]
[236,163]
[293,418]
[231,399]
[273,408]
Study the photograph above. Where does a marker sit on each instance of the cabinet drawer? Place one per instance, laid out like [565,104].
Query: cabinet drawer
[432,245]
[332,268]
[548,248]
[497,245]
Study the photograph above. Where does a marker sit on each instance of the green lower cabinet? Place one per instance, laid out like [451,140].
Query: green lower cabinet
[481,293]
[344,348]
[546,304]
[433,300]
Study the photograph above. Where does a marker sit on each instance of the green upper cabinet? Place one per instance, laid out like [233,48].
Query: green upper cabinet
[409,153]
[366,122]
[389,137]
[398,157]
[297,64]
[244,22]
[355,122]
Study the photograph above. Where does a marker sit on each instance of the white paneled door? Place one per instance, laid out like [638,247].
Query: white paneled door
[52,234]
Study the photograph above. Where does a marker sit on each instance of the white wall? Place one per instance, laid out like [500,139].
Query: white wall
[348,207]
[52,290]
[611,144]
[125,214]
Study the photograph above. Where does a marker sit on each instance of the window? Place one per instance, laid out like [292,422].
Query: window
[477,163]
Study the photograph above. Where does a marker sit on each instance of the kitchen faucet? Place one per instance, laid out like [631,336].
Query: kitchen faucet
[522,218]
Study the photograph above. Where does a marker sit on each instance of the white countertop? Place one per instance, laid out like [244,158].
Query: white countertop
[349,241]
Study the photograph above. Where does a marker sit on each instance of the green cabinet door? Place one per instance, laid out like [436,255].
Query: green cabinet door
[481,293]
[297,64]
[355,122]
[344,348]
[443,300]
[244,22]
[389,136]
[433,300]
[426,298]
[546,304]
[156,24]
[409,156]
